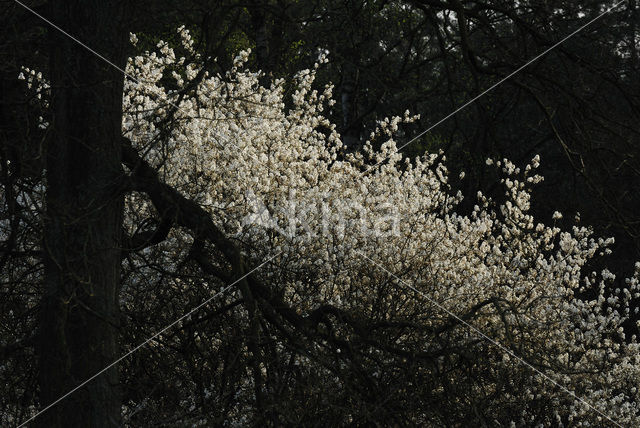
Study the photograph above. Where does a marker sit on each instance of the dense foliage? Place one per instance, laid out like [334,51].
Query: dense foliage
[345,281]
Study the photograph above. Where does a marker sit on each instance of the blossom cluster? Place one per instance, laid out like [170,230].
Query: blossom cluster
[270,168]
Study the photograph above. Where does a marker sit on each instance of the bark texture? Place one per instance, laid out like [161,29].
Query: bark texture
[83,221]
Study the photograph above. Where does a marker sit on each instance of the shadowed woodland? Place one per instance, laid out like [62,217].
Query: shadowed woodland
[105,238]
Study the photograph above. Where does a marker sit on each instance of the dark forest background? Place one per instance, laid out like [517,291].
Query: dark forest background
[578,106]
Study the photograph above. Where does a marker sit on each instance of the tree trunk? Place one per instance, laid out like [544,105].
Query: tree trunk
[83,218]
[351,125]
[633,23]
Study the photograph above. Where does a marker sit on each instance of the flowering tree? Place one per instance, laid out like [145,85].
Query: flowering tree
[374,282]
[360,294]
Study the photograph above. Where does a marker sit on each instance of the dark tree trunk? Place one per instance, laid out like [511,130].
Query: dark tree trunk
[633,24]
[259,27]
[351,125]
[83,217]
